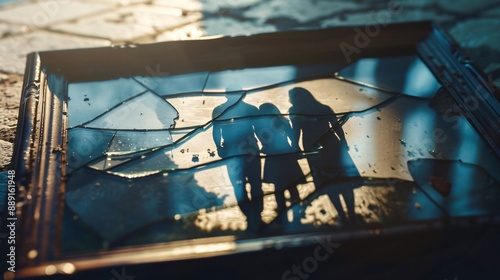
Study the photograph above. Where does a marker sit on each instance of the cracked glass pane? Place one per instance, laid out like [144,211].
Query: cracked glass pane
[272,150]
[249,78]
[198,146]
[131,204]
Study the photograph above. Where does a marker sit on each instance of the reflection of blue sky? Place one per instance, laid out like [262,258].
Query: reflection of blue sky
[132,141]
[250,78]
[407,74]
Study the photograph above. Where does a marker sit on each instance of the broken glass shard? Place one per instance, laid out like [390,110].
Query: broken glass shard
[197,149]
[404,74]
[133,141]
[146,111]
[198,146]
[88,100]
[106,162]
[196,109]
[115,207]
[86,145]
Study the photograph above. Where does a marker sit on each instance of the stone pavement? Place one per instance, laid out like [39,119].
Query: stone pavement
[31,25]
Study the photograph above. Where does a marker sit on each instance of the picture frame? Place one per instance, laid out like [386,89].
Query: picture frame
[42,152]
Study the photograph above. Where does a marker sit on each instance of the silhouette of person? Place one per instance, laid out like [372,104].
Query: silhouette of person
[284,171]
[316,123]
[234,137]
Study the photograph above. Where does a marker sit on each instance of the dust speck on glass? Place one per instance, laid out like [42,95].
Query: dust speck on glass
[269,150]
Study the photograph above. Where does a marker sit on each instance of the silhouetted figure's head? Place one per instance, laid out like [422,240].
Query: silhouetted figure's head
[303,102]
[269,109]
[301,97]
[276,121]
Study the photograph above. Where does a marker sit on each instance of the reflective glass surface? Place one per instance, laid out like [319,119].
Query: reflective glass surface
[268,151]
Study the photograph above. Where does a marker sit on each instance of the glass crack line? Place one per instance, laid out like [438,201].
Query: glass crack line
[82,125]
[211,164]
[343,120]
[196,129]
